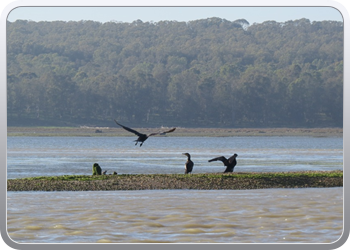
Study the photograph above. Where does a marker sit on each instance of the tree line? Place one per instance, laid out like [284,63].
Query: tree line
[203,73]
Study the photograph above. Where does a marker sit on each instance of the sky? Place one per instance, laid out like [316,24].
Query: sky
[155,14]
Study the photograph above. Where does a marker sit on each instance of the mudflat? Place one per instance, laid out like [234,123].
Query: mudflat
[111,131]
[212,181]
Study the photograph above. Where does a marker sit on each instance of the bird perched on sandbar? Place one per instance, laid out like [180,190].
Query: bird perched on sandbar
[189,164]
[230,163]
[143,137]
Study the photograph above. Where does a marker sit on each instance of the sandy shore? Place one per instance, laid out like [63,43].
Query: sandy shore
[238,180]
[111,131]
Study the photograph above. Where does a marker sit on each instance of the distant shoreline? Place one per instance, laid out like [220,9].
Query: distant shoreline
[213,132]
[217,181]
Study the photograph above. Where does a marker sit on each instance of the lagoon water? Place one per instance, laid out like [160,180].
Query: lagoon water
[43,156]
[313,215]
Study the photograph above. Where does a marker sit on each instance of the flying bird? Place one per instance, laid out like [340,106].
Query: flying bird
[143,137]
[189,164]
[230,163]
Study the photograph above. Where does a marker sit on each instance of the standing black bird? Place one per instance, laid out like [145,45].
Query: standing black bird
[143,137]
[189,164]
[230,163]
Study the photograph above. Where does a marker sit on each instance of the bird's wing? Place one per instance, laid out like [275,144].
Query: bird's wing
[129,129]
[220,158]
[163,132]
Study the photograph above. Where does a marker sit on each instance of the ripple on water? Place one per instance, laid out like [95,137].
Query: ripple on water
[283,215]
[33,228]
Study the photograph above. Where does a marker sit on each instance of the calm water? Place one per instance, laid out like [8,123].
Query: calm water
[176,216]
[41,156]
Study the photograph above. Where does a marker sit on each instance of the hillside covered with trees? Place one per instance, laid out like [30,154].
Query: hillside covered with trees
[203,73]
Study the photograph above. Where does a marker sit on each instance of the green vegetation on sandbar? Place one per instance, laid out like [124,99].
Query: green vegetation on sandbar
[233,175]
[236,180]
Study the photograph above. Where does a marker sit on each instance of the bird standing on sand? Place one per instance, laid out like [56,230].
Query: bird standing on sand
[143,137]
[230,163]
[189,164]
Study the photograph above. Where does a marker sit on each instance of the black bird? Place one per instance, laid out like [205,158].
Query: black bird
[230,163]
[189,164]
[143,137]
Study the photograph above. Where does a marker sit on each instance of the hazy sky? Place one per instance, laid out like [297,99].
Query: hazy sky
[155,14]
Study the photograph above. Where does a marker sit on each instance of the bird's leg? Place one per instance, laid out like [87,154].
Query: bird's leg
[141,144]
[136,143]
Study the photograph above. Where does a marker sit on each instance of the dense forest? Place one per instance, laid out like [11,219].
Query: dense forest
[203,73]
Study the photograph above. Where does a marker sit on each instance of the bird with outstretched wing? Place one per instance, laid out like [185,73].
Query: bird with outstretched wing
[143,137]
[230,163]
